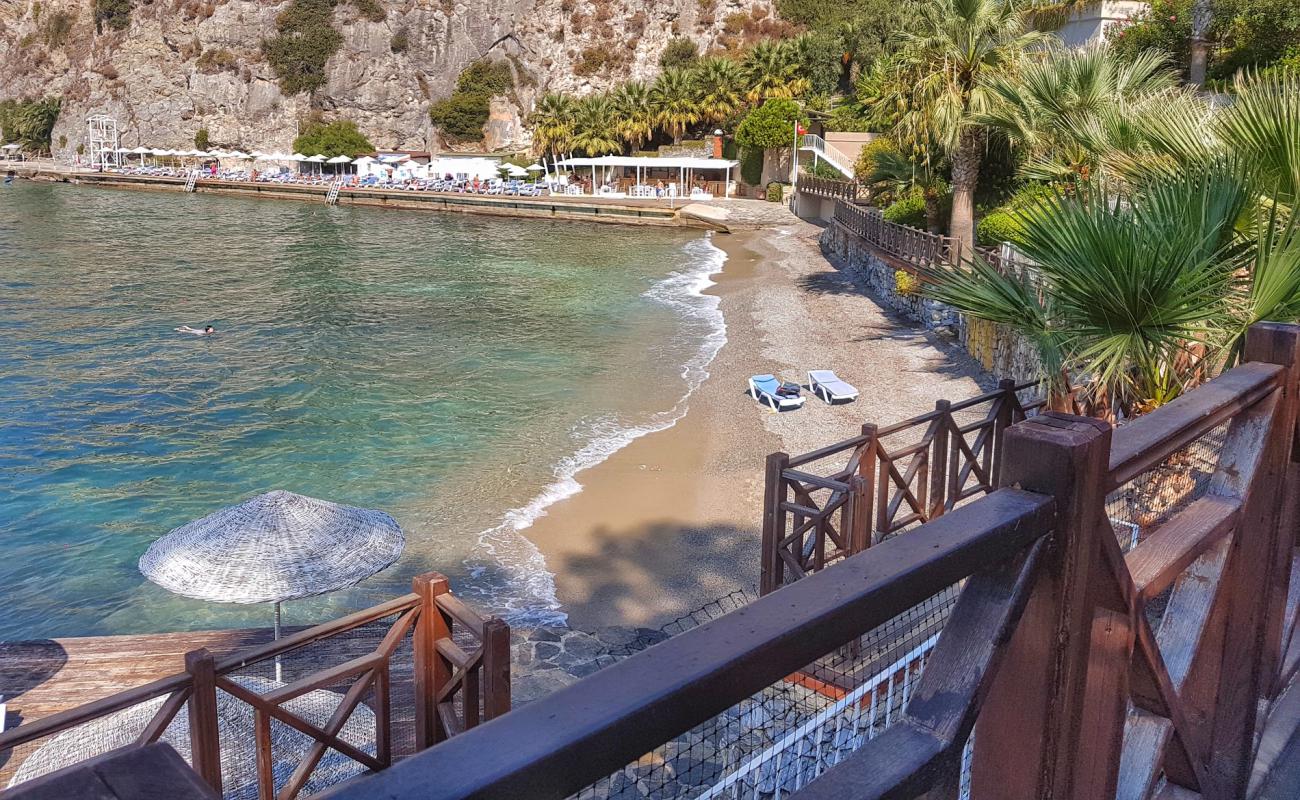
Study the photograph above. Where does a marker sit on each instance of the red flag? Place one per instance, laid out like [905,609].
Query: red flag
[800,129]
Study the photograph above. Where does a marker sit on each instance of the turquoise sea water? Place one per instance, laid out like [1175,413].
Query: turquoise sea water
[454,371]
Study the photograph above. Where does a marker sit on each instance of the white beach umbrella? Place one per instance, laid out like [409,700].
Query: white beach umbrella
[257,154]
[536,168]
[158,151]
[235,725]
[298,157]
[238,154]
[274,547]
[316,159]
[516,171]
[139,150]
[339,160]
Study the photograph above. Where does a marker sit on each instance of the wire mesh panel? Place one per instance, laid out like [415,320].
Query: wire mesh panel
[778,740]
[1139,506]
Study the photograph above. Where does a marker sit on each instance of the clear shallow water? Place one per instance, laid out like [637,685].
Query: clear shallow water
[454,371]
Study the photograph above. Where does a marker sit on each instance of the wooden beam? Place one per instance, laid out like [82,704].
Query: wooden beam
[557,745]
[1028,737]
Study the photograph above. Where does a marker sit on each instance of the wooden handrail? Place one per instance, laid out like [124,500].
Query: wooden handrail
[555,746]
[62,720]
[315,633]
[1151,439]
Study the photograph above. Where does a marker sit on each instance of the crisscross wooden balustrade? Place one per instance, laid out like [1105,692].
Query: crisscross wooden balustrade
[453,689]
[893,477]
[1049,659]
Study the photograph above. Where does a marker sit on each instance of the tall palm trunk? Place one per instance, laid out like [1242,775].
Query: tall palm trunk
[966,157]
[1202,15]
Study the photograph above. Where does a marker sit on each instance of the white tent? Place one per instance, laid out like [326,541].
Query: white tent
[684,166]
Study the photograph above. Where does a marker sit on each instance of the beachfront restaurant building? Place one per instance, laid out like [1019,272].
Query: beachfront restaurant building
[647,176]
[400,165]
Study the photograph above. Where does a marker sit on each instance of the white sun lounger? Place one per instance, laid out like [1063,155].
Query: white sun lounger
[828,386]
[763,388]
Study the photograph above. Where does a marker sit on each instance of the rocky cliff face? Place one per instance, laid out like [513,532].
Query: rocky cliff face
[182,65]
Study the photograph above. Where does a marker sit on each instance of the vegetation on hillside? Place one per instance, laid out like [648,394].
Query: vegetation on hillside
[112,14]
[339,138]
[461,116]
[1241,33]
[30,123]
[305,41]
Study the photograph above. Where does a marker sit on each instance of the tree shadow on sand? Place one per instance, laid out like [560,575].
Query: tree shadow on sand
[652,574]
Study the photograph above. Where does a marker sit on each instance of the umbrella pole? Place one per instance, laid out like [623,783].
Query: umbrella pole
[278,678]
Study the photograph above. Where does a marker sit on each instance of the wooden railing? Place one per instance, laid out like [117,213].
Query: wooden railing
[1047,649]
[828,188]
[454,689]
[914,247]
[816,512]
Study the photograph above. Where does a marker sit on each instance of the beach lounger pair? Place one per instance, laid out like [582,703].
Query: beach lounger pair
[784,396]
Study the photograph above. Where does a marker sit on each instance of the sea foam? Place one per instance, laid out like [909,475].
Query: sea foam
[525,593]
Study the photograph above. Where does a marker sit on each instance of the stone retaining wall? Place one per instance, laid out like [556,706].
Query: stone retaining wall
[1000,350]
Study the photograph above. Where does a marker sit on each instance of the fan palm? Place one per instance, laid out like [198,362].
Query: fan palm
[552,122]
[959,47]
[772,70]
[1064,109]
[894,172]
[1139,294]
[594,126]
[633,117]
[672,99]
[720,87]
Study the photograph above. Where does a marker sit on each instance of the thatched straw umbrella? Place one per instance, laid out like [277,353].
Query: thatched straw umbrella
[274,547]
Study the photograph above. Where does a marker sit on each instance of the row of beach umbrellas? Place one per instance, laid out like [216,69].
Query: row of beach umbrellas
[238,155]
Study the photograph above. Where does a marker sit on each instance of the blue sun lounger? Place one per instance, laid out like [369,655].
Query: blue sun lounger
[828,386]
[764,389]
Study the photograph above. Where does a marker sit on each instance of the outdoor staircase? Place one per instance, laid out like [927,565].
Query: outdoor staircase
[192,180]
[816,145]
[332,196]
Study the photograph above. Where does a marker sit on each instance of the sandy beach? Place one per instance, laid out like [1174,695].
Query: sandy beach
[671,522]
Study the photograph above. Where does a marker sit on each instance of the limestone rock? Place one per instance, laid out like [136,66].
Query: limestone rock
[148,77]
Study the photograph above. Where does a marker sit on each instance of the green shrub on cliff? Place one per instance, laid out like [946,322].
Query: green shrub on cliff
[462,116]
[115,14]
[331,139]
[304,42]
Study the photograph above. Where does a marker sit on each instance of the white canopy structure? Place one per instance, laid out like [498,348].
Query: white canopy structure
[684,165]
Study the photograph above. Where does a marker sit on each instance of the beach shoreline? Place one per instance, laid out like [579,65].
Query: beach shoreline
[671,522]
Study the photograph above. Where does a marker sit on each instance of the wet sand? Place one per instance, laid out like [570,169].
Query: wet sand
[672,521]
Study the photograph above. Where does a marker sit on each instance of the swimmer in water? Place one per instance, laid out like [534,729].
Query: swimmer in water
[208,330]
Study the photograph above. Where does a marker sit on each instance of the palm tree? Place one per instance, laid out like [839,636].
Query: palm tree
[772,70]
[594,126]
[1142,294]
[720,89]
[633,117]
[897,173]
[959,47]
[1063,110]
[552,122]
[672,99]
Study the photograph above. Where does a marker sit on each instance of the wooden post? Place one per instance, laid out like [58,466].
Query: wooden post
[426,667]
[1028,734]
[940,447]
[1257,575]
[205,739]
[496,667]
[771,574]
[1005,419]
[860,539]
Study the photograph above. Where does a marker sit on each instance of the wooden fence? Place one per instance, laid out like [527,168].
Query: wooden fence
[454,689]
[816,512]
[912,246]
[1049,646]
[829,188]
